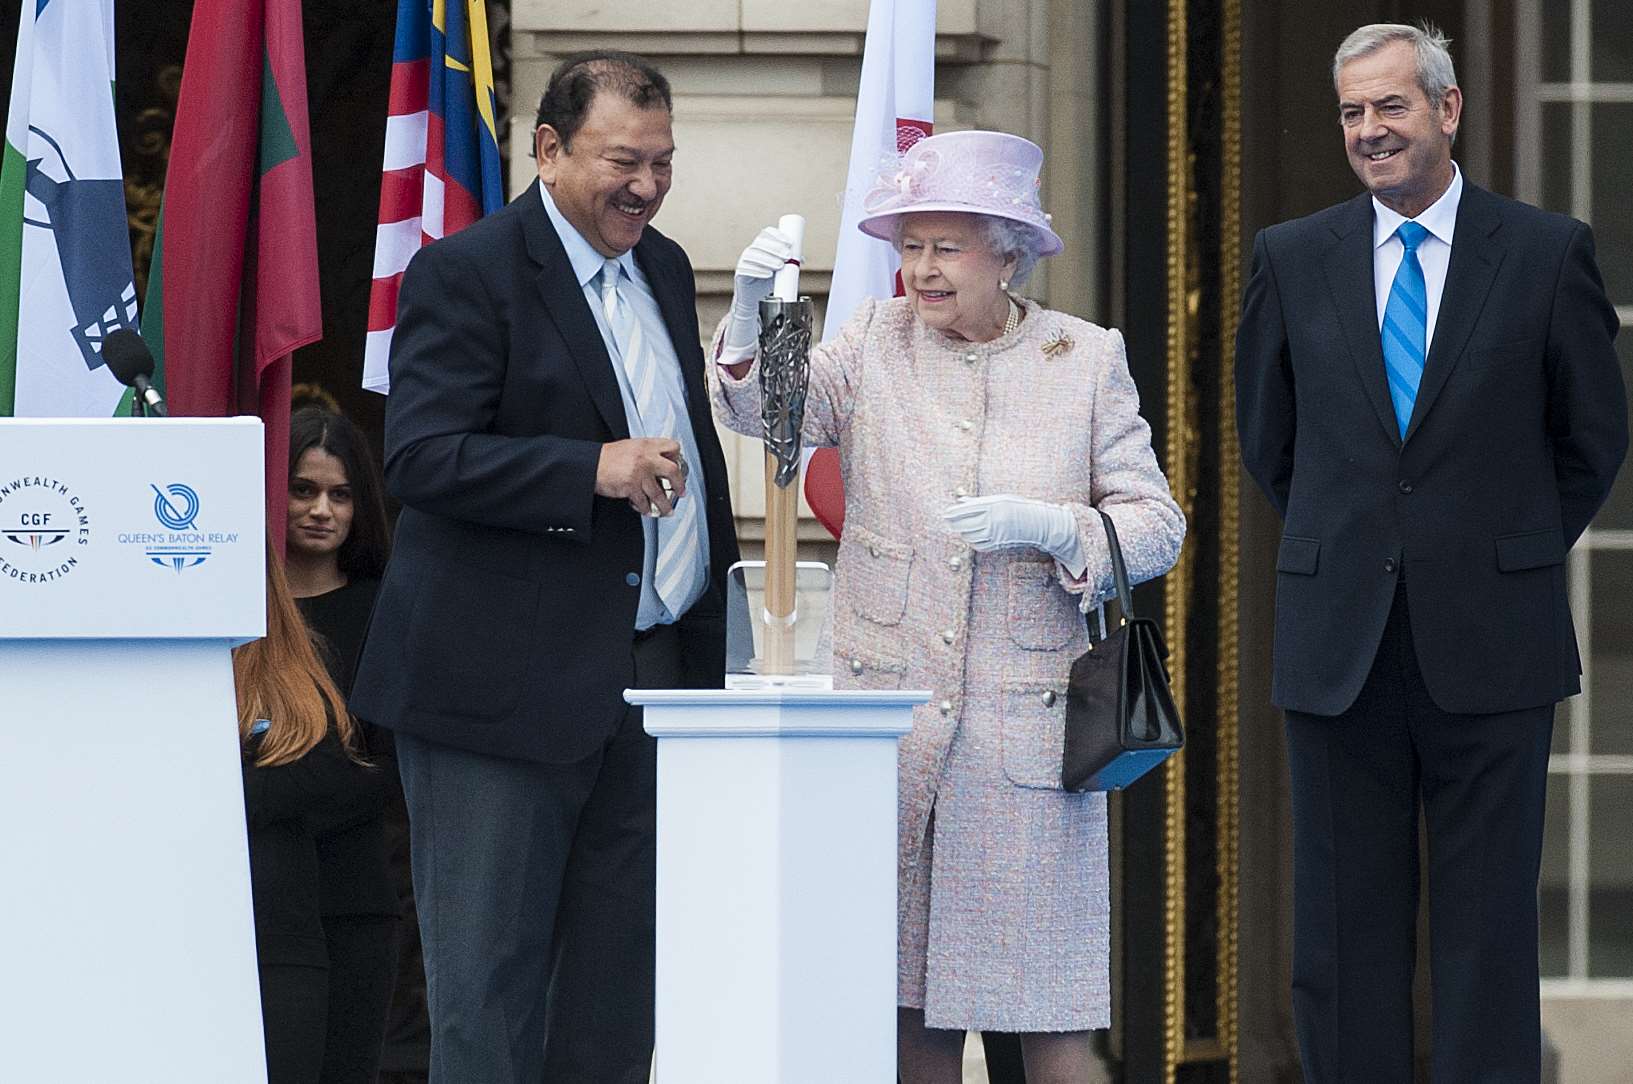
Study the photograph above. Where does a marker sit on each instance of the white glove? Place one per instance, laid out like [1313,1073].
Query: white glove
[760,261]
[990,523]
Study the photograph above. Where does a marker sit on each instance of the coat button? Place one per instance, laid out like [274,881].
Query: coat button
[966,425]
[946,707]
[955,563]
[971,359]
[1405,486]
[961,491]
[1049,698]
[856,666]
[1389,564]
[633,579]
[948,635]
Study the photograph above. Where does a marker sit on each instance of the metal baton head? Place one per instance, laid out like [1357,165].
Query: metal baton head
[785,368]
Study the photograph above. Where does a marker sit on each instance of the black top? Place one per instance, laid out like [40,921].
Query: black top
[287,808]
[351,846]
[341,616]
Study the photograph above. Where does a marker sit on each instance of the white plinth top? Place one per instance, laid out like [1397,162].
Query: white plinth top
[792,713]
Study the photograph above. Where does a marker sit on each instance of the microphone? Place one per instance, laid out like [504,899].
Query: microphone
[131,363]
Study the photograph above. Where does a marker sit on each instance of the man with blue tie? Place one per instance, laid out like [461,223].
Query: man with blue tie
[565,535]
[1428,393]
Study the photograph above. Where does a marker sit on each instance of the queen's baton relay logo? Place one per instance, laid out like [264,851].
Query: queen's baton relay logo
[43,525]
[181,545]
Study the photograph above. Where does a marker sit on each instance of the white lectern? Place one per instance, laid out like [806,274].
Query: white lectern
[132,558]
[776,957]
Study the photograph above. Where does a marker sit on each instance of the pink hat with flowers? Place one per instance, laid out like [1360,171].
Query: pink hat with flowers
[986,173]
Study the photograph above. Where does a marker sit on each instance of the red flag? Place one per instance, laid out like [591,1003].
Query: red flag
[234,286]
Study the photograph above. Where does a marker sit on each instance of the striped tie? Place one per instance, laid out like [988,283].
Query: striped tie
[1406,326]
[677,564]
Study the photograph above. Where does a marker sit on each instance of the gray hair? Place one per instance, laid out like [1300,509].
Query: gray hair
[1436,75]
[1005,238]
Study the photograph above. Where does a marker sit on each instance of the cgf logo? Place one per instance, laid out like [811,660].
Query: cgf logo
[35,531]
[45,523]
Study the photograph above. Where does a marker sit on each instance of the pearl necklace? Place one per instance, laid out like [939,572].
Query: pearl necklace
[1013,321]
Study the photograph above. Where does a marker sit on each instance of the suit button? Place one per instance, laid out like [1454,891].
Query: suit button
[955,563]
[946,707]
[1405,486]
[971,359]
[961,492]
[633,579]
[948,635]
[856,666]
[1049,699]
[1389,564]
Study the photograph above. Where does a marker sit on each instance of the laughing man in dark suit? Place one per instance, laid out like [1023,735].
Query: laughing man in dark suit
[554,549]
[1428,394]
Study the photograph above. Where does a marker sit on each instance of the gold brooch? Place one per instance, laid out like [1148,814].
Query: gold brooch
[1056,346]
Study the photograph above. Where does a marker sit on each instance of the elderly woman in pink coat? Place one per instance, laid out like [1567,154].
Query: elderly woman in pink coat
[978,432]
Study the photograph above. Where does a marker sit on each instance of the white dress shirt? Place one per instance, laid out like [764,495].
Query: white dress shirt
[1434,251]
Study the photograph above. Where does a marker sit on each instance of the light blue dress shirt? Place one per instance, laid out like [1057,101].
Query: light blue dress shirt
[586,263]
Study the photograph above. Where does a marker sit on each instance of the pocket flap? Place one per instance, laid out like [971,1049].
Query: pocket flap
[1533,549]
[1298,555]
[860,668]
[878,570]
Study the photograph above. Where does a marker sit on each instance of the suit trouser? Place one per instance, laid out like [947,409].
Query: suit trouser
[1358,780]
[535,886]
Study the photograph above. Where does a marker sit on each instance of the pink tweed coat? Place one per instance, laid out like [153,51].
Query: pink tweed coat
[1003,909]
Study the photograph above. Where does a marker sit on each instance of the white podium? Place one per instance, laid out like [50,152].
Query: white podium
[132,558]
[776,952]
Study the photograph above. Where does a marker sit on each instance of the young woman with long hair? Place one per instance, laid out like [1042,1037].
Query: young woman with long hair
[337,543]
[303,779]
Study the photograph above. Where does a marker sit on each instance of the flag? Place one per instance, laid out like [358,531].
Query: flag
[441,170]
[233,289]
[65,270]
[894,110]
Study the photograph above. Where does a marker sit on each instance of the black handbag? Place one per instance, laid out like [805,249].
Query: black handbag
[1120,716]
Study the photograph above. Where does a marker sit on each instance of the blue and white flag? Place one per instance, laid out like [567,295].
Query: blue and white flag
[65,267]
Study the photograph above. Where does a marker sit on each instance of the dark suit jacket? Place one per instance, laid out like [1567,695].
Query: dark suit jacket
[506,616]
[1518,429]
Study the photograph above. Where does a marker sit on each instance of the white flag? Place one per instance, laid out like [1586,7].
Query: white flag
[894,110]
[65,267]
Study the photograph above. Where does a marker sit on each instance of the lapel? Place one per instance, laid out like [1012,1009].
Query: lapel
[679,317]
[564,301]
[1348,266]
[1476,256]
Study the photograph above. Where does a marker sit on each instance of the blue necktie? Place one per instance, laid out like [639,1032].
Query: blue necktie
[1406,326]
[675,577]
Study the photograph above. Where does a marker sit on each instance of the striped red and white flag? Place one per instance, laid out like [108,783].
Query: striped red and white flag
[441,170]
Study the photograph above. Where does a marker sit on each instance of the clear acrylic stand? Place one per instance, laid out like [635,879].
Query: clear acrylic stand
[748,627]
